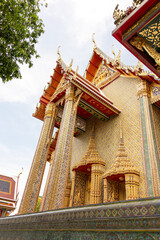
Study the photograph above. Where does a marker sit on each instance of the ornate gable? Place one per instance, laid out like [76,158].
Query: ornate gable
[102,73]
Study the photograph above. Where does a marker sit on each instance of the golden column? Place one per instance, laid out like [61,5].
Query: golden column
[72,189]
[150,148]
[132,186]
[105,186]
[55,197]
[67,192]
[32,188]
[96,183]
[47,181]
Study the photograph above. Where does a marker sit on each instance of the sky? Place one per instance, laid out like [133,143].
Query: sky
[69,24]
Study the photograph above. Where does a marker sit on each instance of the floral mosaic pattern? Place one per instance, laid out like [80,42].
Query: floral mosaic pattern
[139,219]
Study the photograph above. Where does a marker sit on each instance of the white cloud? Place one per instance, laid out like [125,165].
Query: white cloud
[4,148]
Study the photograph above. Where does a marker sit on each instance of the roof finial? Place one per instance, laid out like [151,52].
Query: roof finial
[76,72]
[116,58]
[70,65]
[20,172]
[113,52]
[119,56]
[77,69]
[59,58]
[93,40]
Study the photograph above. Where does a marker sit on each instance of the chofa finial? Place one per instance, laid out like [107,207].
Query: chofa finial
[59,58]
[77,69]
[20,172]
[118,57]
[93,40]
[113,52]
[76,72]
[70,65]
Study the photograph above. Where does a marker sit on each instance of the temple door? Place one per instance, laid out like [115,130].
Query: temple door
[87,189]
[79,189]
[122,191]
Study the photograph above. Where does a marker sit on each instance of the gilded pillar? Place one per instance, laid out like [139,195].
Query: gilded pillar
[72,189]
[96,183]
[105,196]
[151,158]
[47,181]
[132,186]
[55,197]
[67,193]
[32,188]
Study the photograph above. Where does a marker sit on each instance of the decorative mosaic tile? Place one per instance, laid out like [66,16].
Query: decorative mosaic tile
[108,212]
[128,211]
[107,133]
[143,211]
[120,212]
[139,218]
[135,211]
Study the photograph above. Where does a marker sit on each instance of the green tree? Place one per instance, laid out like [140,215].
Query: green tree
[38,204]
[20,27]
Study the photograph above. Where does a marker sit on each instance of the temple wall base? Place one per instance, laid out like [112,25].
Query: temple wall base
[134,219]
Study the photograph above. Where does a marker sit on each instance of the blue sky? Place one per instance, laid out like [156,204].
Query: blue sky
[70,24]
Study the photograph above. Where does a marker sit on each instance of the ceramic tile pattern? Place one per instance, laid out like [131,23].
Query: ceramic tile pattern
[107,133]
[156,117]
[146,150]
[139,219]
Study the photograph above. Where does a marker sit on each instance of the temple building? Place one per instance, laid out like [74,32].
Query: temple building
[101,137]
[8,195]
[107,145]
[138,29]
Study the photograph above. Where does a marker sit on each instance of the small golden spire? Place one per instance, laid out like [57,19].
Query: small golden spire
[93,40]
[113,52]
[116,59]
[77,69]
[70,65]
[119,56]
[74,76]
[59,58]
[20,172]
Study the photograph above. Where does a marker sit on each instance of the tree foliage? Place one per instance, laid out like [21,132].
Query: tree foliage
[38,204]
[20,27]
